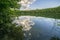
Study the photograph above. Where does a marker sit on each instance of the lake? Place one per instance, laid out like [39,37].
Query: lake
[43,29]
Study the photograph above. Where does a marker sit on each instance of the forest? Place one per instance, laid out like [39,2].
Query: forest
[49,12]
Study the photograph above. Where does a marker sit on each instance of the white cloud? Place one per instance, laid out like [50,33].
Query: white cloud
[25,4]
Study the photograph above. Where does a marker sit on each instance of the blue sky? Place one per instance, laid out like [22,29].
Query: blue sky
[41,4]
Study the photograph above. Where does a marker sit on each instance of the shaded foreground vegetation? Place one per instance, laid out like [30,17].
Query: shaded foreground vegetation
[49,12]
[9,31]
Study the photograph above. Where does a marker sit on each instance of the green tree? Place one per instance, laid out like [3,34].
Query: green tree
[9,31]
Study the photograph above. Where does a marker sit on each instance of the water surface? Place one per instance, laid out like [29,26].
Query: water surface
[43,29]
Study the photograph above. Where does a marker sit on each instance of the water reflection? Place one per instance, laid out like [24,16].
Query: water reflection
[43,29]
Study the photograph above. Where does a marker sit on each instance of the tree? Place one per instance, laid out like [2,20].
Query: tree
[8,31]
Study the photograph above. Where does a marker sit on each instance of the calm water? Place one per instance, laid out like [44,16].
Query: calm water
[44,29]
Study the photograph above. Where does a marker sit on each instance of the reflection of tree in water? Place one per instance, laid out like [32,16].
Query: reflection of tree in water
[55,38]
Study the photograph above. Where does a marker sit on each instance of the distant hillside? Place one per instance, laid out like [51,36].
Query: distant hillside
[49,12]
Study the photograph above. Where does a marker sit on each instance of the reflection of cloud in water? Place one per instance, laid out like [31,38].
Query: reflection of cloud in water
[43,28]
[25,22]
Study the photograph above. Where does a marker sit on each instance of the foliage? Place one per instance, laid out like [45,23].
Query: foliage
[9,31]
[49,12]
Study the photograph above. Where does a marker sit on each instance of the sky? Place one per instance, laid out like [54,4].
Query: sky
[42,4]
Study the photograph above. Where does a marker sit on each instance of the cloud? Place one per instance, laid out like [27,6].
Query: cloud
[25,4]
